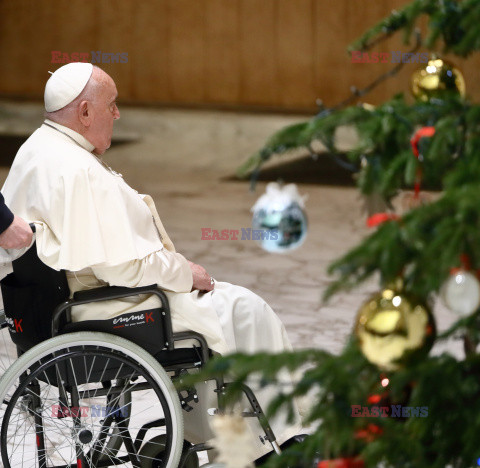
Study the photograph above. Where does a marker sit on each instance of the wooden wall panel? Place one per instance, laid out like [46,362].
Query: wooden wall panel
[295,79]
[149,65]
[257,50]
[329,59]
[115,34]
[187,57]
[222,45]
[16,58]
[281,54]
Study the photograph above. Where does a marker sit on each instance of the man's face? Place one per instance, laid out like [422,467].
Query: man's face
[105,111]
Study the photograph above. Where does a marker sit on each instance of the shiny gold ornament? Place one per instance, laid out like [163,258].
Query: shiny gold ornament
[389,324]
[437,79]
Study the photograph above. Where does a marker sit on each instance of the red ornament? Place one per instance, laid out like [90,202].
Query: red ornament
[424,132]
[380,218]
[370,433]
[374,399]
[342,463]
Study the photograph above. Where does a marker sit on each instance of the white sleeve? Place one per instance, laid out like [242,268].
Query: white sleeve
[169,270]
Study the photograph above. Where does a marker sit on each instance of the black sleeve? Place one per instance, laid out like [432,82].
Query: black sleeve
[6,216]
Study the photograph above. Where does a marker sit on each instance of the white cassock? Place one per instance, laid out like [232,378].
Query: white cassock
[101,231]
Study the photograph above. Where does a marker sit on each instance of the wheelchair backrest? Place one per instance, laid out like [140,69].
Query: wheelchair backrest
[30,295]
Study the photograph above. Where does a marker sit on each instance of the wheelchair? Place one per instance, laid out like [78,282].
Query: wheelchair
[97,393]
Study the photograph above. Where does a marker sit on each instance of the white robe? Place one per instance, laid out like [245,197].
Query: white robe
[101,231]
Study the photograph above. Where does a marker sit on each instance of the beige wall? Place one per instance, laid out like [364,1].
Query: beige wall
[236,53]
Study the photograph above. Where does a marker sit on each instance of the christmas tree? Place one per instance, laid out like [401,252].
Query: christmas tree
[384,400]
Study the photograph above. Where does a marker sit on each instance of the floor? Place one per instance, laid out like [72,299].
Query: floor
[185,160]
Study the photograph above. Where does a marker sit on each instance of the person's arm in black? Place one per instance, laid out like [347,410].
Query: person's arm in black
[6,216]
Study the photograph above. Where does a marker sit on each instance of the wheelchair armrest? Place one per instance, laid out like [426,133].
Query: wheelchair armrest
[114,292]
[111,292]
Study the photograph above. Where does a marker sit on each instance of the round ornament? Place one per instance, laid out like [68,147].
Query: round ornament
[461,292]
[391,325]
[279,221]
[438,78]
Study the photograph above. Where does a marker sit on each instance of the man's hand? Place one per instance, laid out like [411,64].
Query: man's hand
[201,279]
[17,236]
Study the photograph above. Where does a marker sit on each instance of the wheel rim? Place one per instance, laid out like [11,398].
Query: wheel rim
[8,352]
[113,416]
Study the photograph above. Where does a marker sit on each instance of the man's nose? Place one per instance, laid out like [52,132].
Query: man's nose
[116,113]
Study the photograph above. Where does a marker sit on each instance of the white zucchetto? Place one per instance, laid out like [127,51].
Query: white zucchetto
[66,84]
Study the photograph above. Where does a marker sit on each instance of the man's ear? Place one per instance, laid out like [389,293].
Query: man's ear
[84,113]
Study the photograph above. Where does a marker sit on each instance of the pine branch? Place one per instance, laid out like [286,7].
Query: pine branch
[454,23]
[288,138]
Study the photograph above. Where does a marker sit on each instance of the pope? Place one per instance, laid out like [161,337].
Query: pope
[101,231]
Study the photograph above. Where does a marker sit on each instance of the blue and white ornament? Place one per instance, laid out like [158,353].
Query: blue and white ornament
[279,220]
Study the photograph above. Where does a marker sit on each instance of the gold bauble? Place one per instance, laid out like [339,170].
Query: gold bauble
[391,325]
[437,79]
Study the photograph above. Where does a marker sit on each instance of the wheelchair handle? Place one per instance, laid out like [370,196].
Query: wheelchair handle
[33,227]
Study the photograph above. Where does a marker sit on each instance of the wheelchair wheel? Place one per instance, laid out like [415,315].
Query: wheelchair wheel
[152,453]
[87,399]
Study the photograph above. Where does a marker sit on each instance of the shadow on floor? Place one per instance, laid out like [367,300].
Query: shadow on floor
[323,171]
[10,144]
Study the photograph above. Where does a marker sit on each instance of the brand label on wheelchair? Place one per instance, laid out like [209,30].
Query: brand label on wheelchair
[133,319]
[94,411]
[14,325]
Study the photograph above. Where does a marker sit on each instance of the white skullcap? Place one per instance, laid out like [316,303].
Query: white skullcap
[66,84]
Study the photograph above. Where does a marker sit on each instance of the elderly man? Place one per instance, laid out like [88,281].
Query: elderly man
[101,231]
[15,233]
